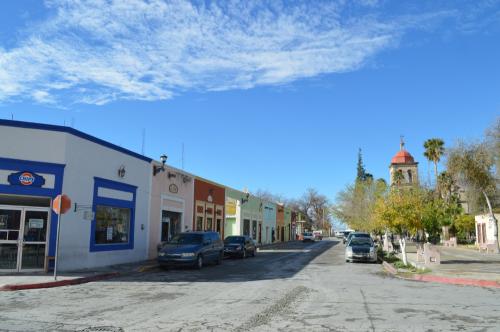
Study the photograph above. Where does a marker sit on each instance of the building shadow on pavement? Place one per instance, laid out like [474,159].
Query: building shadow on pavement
[280,262]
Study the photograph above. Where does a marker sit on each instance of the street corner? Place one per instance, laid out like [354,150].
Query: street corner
[34,284]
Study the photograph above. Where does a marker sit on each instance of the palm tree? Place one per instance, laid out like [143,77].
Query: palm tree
[434,149]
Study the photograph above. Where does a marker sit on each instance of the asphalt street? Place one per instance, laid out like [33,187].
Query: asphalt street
[291,287]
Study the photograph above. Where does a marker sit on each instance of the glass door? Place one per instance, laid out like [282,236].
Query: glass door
[34,241]
[10,230]
[23,238]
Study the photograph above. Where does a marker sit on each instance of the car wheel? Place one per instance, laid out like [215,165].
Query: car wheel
[199,262]
[220,258]
[244,254]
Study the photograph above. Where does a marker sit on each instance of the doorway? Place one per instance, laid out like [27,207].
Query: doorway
[23,238]
[170,225]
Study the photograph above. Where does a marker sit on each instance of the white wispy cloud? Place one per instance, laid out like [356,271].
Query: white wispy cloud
[97,51]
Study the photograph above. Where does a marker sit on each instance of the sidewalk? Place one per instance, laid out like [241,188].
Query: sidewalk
[461,266]
[24,281]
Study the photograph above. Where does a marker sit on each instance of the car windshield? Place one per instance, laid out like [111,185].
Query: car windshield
[307,234]
[360,235]
[187,239]
[361,241]
[234,239]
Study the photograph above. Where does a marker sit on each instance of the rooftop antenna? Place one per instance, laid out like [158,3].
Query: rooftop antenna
[143,141]
[72,122]
[12,116]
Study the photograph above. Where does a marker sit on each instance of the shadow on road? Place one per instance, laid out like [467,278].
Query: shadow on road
[465,261]
[277,262]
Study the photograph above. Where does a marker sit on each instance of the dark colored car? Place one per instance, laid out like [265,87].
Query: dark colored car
[361,249]
[192,249]
[241,246]
[356,234]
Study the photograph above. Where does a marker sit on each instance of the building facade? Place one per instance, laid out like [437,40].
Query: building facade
[172,200]
[485,228]
[269,223]
[109,187]
[209,203]
[288,224]
[251,215]
[280,222]
[232,223]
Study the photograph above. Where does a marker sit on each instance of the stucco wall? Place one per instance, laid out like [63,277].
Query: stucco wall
[269,221]
[83,160]
[484,219]
[164,197]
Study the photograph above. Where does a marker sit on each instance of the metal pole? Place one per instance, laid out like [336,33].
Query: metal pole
[59,224]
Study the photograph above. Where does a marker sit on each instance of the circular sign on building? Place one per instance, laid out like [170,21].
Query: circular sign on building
[173,188]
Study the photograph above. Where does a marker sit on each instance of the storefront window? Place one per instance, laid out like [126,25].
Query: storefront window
[112,225]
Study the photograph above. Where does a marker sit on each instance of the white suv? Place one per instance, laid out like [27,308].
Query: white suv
[308,236]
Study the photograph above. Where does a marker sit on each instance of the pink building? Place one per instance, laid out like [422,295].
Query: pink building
[172,193]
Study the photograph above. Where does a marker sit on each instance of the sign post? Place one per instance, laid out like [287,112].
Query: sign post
[61,205]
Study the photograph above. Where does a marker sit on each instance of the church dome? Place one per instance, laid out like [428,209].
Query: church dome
[403,157]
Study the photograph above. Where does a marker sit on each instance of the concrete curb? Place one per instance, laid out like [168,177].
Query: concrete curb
[442,280]
[60,283]
[389,268]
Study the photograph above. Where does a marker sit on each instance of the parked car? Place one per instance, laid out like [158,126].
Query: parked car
[308,236]
[356,234]
[241,246]
[339,234]
[344,237]
[192,249]
[361,249]
[318,235]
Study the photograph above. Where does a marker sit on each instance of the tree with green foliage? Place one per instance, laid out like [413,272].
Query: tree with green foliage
[361,172]
[434,150]
[354,205]
[472,165]
[402,212]
[464,226]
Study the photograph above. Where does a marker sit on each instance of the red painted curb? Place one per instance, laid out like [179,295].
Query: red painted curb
[443,280]
[457,281]
[60,283]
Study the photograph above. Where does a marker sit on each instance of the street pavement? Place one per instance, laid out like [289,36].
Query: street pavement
[291,287]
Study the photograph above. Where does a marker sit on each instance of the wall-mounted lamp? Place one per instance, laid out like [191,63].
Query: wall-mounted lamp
[121,171]
[171,175]
[158,169]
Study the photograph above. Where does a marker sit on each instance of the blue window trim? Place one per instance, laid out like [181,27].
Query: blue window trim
[32,125]
[38,167]
[105,183]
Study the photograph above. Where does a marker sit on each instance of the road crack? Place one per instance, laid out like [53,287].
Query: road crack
[278,308]
[367,310]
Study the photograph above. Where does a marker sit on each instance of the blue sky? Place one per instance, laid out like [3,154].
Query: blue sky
[268,95]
